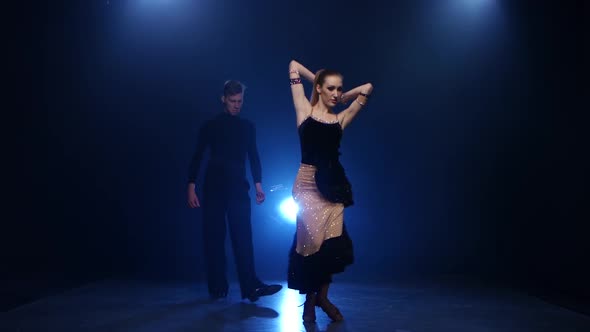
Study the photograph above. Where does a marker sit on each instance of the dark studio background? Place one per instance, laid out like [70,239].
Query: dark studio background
[469,161]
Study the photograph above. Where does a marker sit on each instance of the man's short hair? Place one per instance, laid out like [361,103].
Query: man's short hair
[233,87]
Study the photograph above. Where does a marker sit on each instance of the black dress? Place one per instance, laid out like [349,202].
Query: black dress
[321,246]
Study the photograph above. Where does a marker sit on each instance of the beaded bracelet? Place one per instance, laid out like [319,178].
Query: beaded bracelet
[294,81]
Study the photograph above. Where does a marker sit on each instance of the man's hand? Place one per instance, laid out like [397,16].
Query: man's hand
[260,196]
[193,200]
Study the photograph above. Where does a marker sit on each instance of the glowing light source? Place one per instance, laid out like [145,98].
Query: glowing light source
[473,7]
[289,209]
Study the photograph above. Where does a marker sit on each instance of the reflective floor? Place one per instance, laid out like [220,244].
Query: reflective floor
[396,306]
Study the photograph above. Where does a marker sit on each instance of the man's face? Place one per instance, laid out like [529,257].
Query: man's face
[233,103]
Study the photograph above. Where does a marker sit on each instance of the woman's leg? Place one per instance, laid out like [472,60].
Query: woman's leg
[309,308]
[328,307]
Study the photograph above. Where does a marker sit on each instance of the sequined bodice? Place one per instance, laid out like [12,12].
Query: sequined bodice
[320,141]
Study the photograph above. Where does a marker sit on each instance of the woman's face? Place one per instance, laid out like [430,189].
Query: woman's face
[331,92]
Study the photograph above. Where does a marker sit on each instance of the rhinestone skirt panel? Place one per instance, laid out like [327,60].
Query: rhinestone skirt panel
[318,219]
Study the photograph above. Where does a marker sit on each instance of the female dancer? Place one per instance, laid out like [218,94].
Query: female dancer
[321,246]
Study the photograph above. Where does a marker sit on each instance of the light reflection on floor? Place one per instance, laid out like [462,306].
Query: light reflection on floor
[290,312]
[396,306]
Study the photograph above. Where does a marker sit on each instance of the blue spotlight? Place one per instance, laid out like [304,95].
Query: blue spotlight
[289,209]
[474,6]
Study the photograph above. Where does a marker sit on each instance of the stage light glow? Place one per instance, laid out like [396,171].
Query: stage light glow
[289,209]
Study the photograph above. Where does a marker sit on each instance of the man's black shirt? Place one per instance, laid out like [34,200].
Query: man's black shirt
[229,138]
